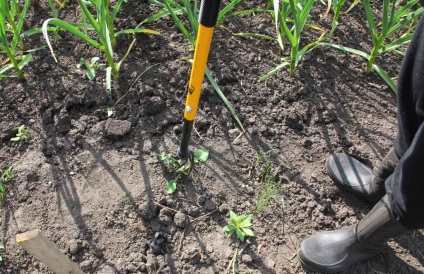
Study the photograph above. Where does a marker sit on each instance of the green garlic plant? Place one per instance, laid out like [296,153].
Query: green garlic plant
[392,30]
[12,19]
[97,16]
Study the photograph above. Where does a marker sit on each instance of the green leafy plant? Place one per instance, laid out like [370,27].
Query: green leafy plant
[12,19]
[1,252]
[90,67]
[241,225]
[5,177]
[200,156]
[22,134]
[271,186]
[396,28]
[295,12]
[102,24]
[189,9]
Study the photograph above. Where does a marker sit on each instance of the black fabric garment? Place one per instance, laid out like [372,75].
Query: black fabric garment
[406,186]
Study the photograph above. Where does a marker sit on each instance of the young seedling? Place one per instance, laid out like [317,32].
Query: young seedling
[271,186]
[1,251]
[22,135]
[6,176]
[200,156]
[241,225]
[90,67]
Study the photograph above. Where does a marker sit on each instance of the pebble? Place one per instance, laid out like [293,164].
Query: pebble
[246,258]
[180,219]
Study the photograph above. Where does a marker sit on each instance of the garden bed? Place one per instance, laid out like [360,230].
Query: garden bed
[92,183]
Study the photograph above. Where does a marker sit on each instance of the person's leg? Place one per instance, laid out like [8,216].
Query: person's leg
[406,186]
[359,179]
[335,251]
[402,207]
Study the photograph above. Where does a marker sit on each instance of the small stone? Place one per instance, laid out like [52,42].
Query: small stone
[246,258]
[251,121]
[74,247]
[180,219]
[270,263]
[252,131]
[177,129]
[233,133]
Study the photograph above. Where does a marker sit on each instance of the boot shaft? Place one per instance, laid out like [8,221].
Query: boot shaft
[378,226]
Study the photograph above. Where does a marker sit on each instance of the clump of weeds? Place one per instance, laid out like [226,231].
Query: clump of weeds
[271,186]
[5,177]
[22,134]
[183,167]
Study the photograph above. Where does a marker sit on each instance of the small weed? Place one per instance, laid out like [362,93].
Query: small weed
[271,185]
[90,67]
[6,176]
[200,156]
[1,252]
[240,225]
[22,135]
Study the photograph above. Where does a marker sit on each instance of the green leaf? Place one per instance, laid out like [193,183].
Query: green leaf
[91,73]
[201,155]
[134,31]
[27,58]
[383,74]
[255,35]
[233,216]
[223,98]
[248,232]
[15,139]
[246,221]
[274,71]
[229,228]
[240,235]
[172,185]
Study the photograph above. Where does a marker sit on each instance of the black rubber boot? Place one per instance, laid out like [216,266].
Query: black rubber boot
[360,179]
[335,251]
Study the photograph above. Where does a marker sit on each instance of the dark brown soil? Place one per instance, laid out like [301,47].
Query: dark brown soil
[93,185]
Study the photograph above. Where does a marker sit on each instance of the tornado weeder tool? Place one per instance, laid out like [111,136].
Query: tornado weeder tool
[208,15]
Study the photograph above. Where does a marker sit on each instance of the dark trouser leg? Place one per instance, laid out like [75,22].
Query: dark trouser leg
[406,186]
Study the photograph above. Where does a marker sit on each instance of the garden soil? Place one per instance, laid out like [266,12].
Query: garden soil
[92,183]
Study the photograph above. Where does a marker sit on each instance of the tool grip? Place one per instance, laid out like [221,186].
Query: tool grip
[209,10]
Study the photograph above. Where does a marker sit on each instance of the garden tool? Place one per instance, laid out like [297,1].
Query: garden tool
[208,15]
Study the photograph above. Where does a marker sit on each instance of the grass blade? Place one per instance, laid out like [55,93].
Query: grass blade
[223,98]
